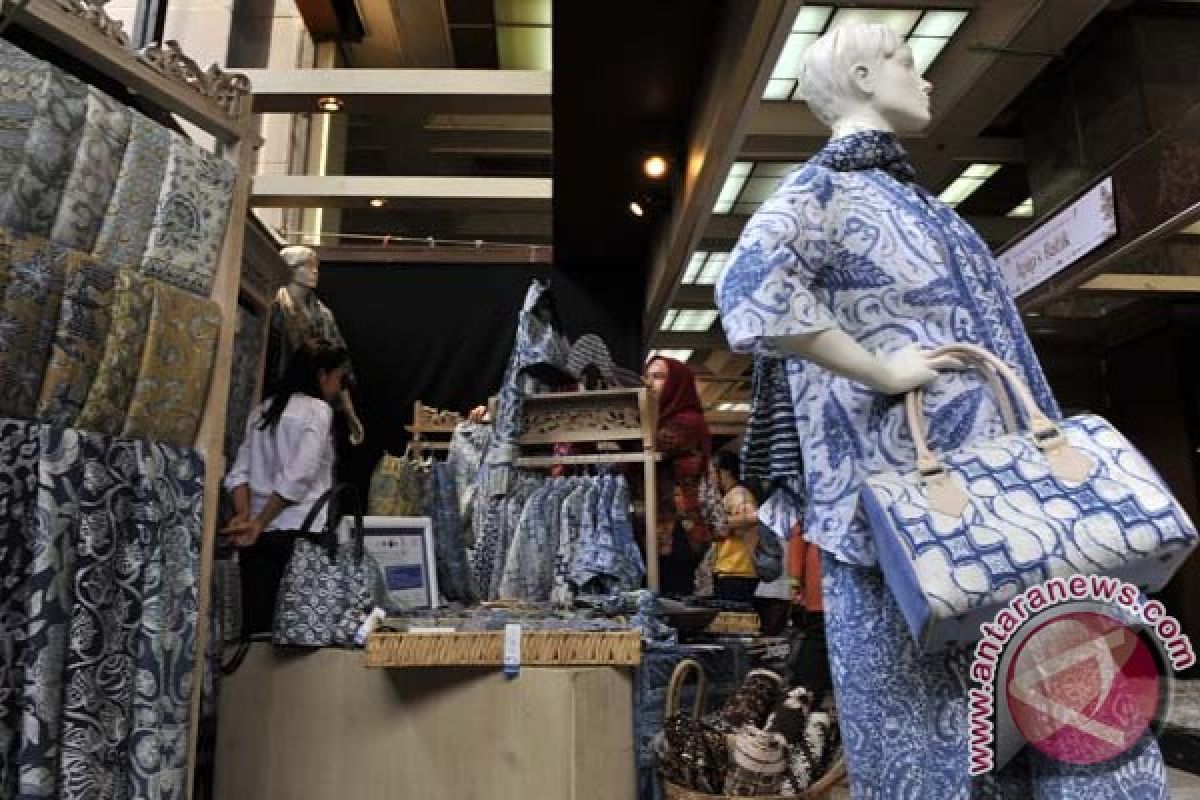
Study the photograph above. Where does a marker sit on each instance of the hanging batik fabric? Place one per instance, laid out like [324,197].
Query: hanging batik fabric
[189,222]
[93,176]
[454,580]
[108,399]
[20,444]
[21,78]
[99,673]
[28,320]
[78,342]
[170,498]
[126,225]
[172,384]
[30,202]
[243,378]
[48,599]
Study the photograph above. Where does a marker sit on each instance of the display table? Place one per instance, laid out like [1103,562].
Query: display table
[321,726]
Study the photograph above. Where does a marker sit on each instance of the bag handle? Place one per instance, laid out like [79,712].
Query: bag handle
[334,517]
[1066,463]
[675,688]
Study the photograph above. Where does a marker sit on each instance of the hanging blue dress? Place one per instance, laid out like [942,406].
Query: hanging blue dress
[850,241]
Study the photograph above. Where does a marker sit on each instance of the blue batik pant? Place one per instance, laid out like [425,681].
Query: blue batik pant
[903,715]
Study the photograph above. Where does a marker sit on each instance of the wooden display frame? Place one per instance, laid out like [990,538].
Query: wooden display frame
[217,102]
[626,416]
[431,429]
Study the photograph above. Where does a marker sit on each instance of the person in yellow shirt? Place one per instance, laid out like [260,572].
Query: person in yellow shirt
[734,578]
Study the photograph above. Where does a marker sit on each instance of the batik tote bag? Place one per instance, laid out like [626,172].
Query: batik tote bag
[327,589]
[966,531]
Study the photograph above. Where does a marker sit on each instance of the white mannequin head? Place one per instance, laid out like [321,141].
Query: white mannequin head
[303,261]
[862,77]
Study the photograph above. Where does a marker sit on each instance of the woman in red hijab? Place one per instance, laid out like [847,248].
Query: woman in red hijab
[685,444]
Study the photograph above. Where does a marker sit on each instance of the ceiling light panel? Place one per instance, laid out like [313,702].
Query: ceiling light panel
[812,19]
[678,355]
[523,12]
[901,20]
[689,320]
[736,407]
[939,24]
[733,186]
[713,268]
[669,320]
[925,52]
[1022,211]
[967,183]
[695,263]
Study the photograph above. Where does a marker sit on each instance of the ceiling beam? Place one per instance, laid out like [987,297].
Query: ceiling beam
[694,297]
[751,38]
[490,90]
[707,340]
[424,193]
[1135,284]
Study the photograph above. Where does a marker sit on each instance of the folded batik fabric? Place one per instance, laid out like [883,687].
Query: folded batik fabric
[126,225]
[172,384]
[28,320]
[108,398]
[243,377]
[30,202]
[189,222]
[78,342]
[90,184]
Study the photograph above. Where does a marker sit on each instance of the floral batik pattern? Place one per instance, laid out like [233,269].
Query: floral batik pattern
[848,241]
[172,384]
[28,320]
[243,379]
[126,225]
[111,392]
[189,223]
[93,177]
[78,343]
[30,202]
[21,79]
[903,715]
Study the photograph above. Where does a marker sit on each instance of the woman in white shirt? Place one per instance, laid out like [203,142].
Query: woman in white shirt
[285,464]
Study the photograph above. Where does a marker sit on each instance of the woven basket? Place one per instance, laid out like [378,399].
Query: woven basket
[735,623]
[671,791]
[486,649]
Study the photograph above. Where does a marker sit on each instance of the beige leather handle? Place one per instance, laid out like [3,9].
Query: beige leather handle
[999,376]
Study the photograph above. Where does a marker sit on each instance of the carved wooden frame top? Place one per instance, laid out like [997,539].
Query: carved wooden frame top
[427,419]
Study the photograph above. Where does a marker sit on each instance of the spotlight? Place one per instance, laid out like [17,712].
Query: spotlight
[330,104]
[655,167]
[636,208]
[377,202]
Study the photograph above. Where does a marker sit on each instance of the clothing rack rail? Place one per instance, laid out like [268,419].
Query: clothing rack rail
[628,417]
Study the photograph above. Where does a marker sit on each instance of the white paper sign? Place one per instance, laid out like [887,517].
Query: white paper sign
[403,547]
[1062,240]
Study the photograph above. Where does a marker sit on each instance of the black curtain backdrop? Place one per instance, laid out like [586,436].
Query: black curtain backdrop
[441,334]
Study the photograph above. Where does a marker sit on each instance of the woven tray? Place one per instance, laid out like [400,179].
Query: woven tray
[486,649]
[732,623]
[826,784]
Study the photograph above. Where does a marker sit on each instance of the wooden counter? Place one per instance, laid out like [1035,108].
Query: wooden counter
[320,726]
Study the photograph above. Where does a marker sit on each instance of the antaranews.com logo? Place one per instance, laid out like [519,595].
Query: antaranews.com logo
[1078,667]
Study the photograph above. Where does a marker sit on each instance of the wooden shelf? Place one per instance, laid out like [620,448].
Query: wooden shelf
[486,649]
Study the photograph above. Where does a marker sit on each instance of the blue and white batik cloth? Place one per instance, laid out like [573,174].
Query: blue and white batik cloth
[903,715]
[849,241]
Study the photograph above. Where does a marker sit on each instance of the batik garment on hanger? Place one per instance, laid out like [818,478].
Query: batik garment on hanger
[575,515]
[93,176]
[527,483]
[467,448]
[243,379]
[108,399]
[189,222]
[454,579]
[125,228]
[30,202]
[519,578]
[20,446]
[172,384]
[28,320]
[78,342]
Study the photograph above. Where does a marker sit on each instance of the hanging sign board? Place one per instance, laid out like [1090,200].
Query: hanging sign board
[1062,240]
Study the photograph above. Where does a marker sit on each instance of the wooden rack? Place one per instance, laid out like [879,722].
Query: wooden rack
[218,103]
[628,417]
[431,429]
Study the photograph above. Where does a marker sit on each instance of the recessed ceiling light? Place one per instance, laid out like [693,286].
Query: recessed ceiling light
[330,104]
[636,208]
[377,202]
[655,167]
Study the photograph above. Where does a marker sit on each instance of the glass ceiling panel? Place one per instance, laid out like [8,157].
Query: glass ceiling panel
[901,21]
[523,12]
[812,19]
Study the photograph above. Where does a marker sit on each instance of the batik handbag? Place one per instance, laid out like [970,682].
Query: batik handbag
[965,532]
[328,588]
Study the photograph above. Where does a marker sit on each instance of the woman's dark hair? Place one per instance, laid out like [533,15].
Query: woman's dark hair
[729,461]
[303,376]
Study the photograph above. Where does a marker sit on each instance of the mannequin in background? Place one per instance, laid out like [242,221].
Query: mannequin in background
[298,317]
[851,270]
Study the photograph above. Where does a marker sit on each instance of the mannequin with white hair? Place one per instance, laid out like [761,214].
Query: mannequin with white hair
[299,319]
[850,273]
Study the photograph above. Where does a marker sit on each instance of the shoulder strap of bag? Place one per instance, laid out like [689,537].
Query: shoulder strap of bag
[333,499]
